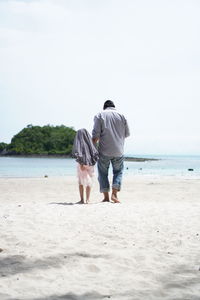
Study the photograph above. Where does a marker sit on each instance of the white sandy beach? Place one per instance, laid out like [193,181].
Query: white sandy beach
[147,247]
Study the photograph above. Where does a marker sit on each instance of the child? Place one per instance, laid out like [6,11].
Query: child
[86,155]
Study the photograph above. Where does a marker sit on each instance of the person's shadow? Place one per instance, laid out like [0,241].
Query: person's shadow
[67,203]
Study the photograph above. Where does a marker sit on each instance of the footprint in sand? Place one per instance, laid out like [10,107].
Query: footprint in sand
[93,268]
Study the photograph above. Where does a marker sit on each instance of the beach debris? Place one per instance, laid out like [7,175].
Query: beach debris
[1,250]
[45,176]
[190,169]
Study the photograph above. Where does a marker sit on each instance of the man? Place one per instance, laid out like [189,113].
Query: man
[109,131]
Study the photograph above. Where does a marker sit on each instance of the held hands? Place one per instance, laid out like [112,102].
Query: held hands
[83,167]
[95,141]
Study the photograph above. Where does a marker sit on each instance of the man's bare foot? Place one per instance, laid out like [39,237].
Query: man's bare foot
[105,200]
[106,197]
[114,198]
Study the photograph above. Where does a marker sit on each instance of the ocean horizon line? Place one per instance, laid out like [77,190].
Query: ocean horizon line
[128,155]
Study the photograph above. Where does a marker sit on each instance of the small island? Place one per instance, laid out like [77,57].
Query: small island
[46,141]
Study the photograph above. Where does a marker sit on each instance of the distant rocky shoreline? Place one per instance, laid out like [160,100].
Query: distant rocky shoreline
[139,159]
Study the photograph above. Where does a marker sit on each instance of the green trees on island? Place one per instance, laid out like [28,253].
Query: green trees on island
[3,146]
[46,140]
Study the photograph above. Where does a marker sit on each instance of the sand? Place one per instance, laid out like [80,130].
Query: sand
[147,247]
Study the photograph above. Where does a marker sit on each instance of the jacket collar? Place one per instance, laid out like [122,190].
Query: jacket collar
[110,108]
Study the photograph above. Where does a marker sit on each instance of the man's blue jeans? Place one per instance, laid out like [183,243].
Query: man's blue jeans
[103,168]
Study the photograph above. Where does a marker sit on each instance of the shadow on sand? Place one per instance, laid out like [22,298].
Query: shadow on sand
[80,203]
[67,203]
[72,296]
[180,280]
[12,265]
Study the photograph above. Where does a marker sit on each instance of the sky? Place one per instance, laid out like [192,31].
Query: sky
[60,60]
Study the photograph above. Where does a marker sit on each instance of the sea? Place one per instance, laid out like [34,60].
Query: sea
[171,165]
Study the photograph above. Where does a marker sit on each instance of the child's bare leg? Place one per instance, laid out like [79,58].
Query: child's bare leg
[88,190]
[81,192]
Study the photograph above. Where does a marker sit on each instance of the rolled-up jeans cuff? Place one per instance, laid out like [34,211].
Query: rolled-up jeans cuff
[116,187]
[104,190]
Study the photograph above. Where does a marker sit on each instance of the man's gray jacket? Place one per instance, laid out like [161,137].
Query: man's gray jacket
[111,128]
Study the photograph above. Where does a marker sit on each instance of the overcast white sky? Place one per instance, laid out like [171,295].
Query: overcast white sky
[61,59]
